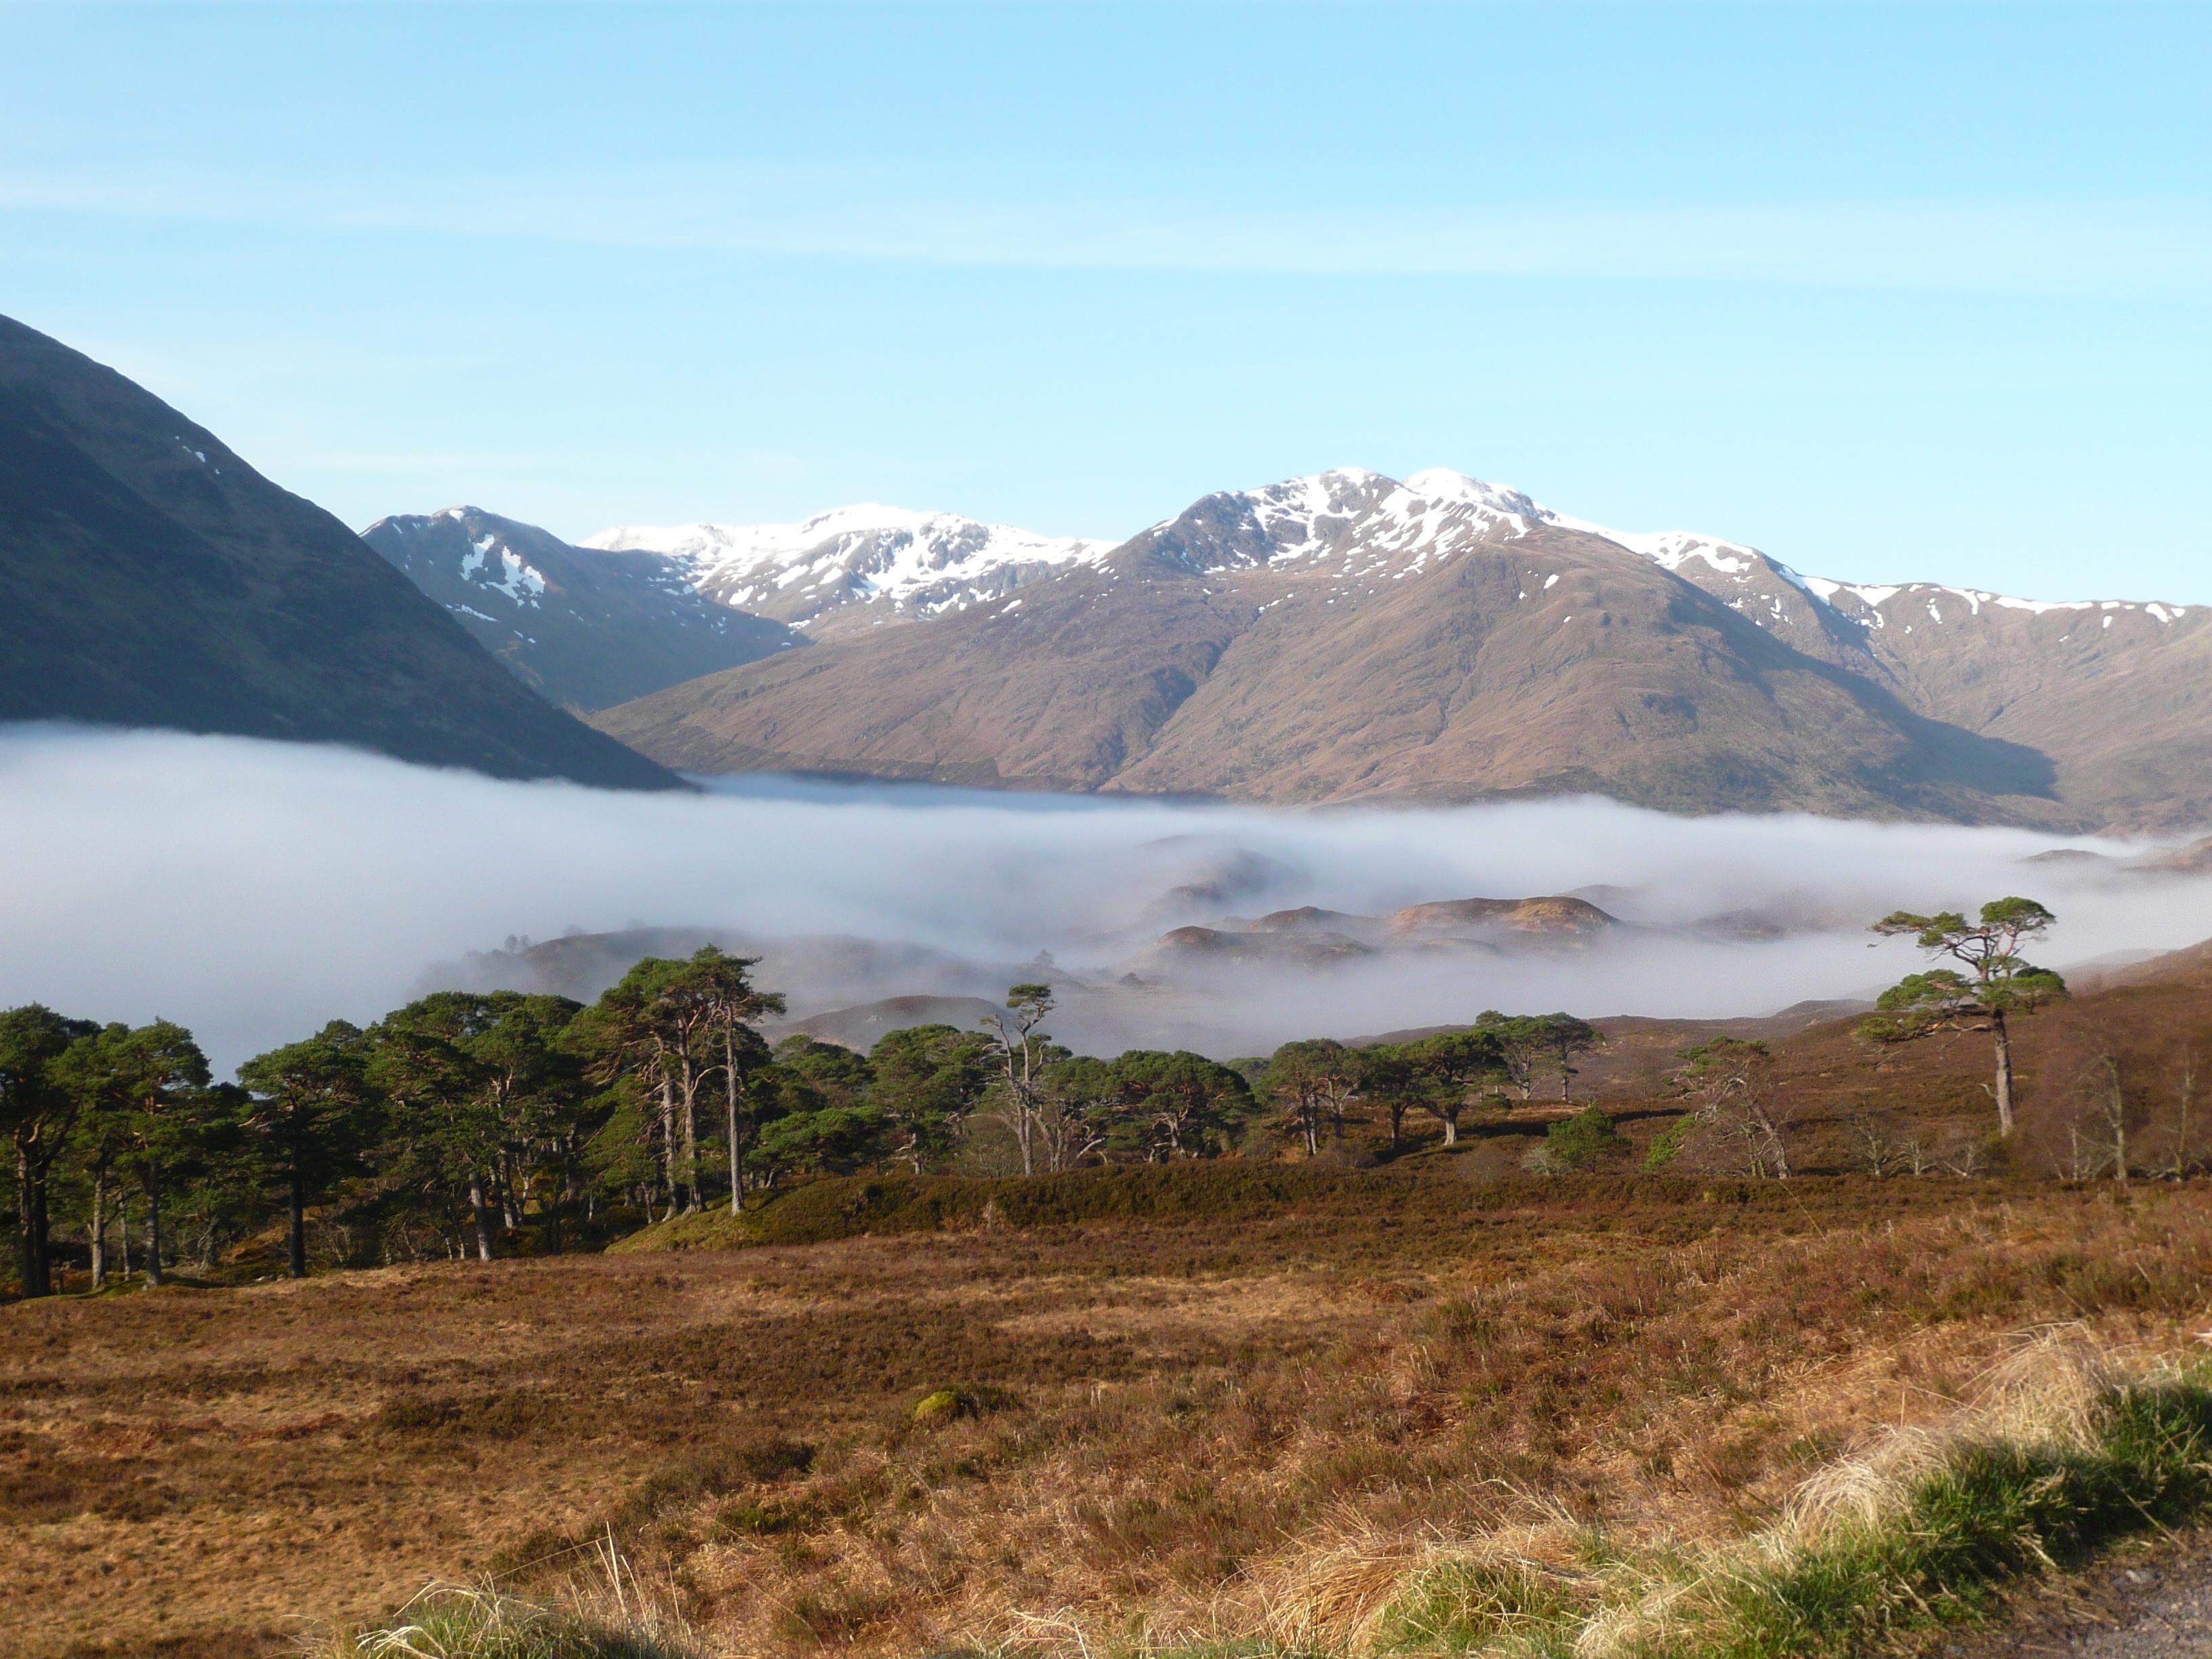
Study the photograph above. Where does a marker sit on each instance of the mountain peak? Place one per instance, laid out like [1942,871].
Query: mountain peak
[1441,483]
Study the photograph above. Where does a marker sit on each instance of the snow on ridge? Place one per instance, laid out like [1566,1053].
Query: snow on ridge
[1931,595]
[922,562]
[1672,548]
[1378,522]
[866,551]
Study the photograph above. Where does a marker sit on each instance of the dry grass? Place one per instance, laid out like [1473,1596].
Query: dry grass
[604,1611]
[1188,1432]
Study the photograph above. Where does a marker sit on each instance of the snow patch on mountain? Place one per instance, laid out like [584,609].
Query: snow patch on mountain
[519,581]
[488,566]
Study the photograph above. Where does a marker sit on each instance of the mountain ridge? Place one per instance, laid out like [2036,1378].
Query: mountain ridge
[1733,570]
[1709,676]
[865,556]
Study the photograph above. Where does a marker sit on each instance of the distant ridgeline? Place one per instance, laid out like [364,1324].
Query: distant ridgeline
[1346,636]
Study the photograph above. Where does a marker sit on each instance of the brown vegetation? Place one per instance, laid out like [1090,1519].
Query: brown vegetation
[1157,1405]
[1151,1420]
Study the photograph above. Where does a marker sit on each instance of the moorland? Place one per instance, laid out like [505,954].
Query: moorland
[1356,1393]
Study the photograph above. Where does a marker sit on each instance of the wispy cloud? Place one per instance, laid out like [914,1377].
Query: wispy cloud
[2056,244]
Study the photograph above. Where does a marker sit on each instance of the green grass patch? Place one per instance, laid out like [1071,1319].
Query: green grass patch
[1992,1515]
[1465,1607]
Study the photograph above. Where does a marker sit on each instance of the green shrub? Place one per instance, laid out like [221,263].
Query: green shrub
[1584,1141]
[1668,1146]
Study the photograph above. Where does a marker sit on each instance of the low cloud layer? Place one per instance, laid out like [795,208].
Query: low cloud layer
[254,889]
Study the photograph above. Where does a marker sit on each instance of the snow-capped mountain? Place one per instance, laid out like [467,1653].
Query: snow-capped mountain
[587,628]
[1362,524]
[1350,521]
[1348,529]
[864,562]
[1347,633]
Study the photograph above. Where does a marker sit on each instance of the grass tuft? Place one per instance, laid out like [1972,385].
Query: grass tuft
[451,1622]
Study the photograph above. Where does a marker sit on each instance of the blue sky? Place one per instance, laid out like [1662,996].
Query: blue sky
[1913,292]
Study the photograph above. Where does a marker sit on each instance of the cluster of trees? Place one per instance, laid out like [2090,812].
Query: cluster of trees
[465,1116]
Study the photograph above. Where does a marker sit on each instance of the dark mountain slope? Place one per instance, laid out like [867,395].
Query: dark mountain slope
[584,627]
[150,577]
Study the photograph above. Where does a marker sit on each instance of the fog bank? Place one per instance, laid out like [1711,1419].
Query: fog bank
[254,889]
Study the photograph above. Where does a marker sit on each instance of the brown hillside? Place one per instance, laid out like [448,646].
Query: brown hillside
[1527,916]
[1057,690]
[2152,1022]
[1549,664]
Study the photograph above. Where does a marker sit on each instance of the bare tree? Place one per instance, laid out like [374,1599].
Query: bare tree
[1021,1051]
[1728,1078]
[2185,1089]
[1879,1151]
[2100,1088]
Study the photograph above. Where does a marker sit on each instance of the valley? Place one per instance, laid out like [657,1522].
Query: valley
[779,879]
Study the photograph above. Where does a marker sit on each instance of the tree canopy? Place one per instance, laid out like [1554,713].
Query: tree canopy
[1993,983]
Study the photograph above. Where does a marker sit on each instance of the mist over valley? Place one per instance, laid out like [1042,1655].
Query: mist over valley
[253,889]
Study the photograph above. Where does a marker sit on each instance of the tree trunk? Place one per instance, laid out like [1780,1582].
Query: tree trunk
[153,1226]
[31,1252]
[737,1147]
[691,1202]
[298,1194]
[2181,1127]
[510,1193]
[556,1211]
[482,1214]
[668,1134]
[1777,1152]
[2005,1074]
[122,1230]
[99,1230]
[2117,1111]
[1451,1127]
